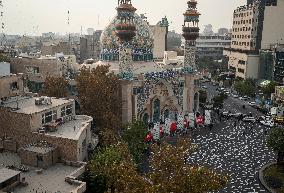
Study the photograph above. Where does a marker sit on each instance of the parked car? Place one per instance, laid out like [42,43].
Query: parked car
[204,87]
[245,97]
[249,119]
[252,104]
[235,95]
[237,115]
[241,98]
[268,123]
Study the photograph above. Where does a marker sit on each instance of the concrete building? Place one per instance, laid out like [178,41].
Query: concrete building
[171,58]
[37,69]
[61,47]
[272,63]
[8,178]
[252,26]
[26,120]
[159,37]
[208,30]
[223,31]
[11,85]
[90,31]
[90,46]
[4,68]
[212,46]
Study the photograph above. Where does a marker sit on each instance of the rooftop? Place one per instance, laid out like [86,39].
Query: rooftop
[72,129]
[6,174]
[26,105]
[52,179]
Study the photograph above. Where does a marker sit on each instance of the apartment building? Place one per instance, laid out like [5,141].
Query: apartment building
[255,27]
[27,120]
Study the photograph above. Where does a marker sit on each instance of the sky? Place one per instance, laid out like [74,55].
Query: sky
[33,17]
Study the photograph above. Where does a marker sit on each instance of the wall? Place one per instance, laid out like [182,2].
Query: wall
[83,151]
[46,67]
[5,86]
[159,41]
[18,127]
[4,69]
[36,121]
[253,67]
[273,25]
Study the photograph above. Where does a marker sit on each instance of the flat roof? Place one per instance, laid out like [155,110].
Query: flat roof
[27,104]
[67,130]
[52,179]
[6,174]
[41,150]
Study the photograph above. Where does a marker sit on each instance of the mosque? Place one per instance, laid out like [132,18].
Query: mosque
[149,90]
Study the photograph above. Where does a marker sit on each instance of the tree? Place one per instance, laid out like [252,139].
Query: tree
[219,100]
[202,96]
[246,87]
[108,137]
[268,89]
[134,134]
[4,58]
[55,87]
[170,171]
[275,140]
[115,164]
[98,91]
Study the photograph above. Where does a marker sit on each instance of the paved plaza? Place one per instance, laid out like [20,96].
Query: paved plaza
[240,151]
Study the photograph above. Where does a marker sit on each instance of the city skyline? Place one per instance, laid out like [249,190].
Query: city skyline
[36,16]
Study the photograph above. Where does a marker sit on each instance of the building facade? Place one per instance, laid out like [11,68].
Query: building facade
[251,32]
[27,120]
[36,69]
[90,46]
[212,46]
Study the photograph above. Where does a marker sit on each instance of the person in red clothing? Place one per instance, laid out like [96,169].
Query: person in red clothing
[149,137]
[173,128]
[161,132]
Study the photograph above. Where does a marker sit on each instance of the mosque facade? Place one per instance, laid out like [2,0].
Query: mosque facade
[150,91]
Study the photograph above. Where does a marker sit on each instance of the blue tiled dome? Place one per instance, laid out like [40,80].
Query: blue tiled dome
[142,42]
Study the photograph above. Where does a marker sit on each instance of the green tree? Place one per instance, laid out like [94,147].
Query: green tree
[115,164]
[275,140]
[4,58]
[246,87]
[55,87]
[268,89]
[202,96]
[98,91]
[218,100]
[134,134]
[170,171]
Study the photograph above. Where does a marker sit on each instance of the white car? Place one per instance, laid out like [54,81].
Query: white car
[235,95]
[204,87]
[249,119]
[265,118]
[241,98]
[267,123]
[251,103]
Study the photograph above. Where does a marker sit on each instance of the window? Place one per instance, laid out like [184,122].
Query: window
[14,86]
[69,109]
[32,69]
[241,70]
[48,117]
[63,111]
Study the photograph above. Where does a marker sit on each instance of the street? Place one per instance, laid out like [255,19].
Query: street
[238,151]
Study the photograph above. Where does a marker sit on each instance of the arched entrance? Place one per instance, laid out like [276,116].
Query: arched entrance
[166,114]
[145,118]
[156,110]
